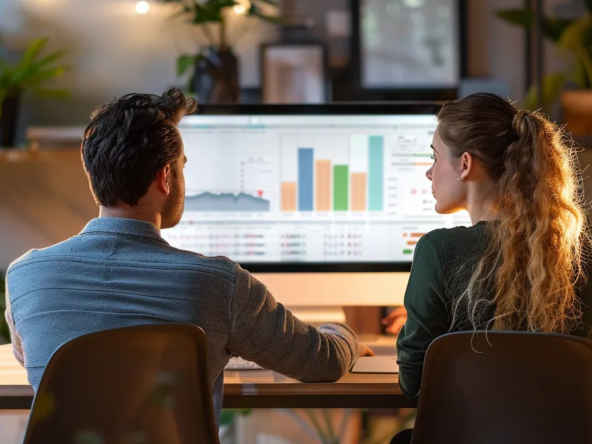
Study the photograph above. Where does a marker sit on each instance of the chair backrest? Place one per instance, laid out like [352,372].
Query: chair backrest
[506,387]
[142,384]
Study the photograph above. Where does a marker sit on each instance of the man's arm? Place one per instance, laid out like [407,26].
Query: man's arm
[16,341]
[265,332]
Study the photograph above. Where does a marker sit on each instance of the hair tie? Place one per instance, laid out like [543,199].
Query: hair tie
[519,120]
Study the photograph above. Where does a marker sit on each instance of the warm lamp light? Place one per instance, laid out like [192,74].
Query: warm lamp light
[142,7]
[241,7]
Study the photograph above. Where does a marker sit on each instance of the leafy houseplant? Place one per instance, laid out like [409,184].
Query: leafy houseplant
[27,76]
[574,42]
[215,66]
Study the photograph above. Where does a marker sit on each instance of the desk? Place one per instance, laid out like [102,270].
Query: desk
[248,389]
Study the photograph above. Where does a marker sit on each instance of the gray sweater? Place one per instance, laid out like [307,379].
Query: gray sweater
[120,272]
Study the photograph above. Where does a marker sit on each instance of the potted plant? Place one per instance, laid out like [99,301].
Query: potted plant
[574,42]
[28,75]
[215,66]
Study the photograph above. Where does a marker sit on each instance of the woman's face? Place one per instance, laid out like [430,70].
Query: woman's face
[448,190]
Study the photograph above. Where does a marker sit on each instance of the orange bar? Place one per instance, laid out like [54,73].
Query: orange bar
[411,242]
[289,196]
[358,196]
[323,185]
[417,234]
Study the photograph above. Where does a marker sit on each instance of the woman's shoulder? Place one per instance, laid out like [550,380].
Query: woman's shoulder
[460,232]
[452,240]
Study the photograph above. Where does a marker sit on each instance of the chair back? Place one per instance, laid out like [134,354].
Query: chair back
[141,384]
[506,387]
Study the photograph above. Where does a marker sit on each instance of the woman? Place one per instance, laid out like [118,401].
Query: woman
[519,267]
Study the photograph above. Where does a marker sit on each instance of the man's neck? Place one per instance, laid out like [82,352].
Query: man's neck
[129,212]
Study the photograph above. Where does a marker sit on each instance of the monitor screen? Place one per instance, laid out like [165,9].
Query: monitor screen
[298,189]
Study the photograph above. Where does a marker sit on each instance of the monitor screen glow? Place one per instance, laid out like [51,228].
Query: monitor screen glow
[293,189]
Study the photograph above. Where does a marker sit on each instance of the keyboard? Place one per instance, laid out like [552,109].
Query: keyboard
[238,363]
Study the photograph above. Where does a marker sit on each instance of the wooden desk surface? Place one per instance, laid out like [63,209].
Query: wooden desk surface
[248,389]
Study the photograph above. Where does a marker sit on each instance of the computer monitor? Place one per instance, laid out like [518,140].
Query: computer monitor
[295,193]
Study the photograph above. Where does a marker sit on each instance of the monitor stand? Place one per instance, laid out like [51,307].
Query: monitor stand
[319,315]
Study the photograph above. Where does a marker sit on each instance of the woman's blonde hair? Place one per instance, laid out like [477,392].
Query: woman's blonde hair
[533,262]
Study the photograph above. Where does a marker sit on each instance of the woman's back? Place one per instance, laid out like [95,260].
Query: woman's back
[443,264]
[520,266]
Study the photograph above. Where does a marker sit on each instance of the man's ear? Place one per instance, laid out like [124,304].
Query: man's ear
[163,177]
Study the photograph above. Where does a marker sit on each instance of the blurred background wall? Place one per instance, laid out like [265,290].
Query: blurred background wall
[113,50]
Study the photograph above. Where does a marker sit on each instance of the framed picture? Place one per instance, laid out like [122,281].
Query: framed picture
[293,73]
[408,49]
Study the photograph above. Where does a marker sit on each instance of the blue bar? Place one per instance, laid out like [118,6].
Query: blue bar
[305,179]
[376,174]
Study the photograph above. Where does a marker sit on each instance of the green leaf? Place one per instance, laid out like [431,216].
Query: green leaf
[580,75]
[575,40]
[37,77]
[31,71]
[269,2]
[31,53]
[257,12]
[517,17]
[576,33]
[228,415]
[185,62]
[48,60]
[552,87]
[553,28]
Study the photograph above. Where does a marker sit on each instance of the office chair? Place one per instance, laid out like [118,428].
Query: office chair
[506,387]
[142,384]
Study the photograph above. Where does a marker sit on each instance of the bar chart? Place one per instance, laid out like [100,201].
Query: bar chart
[303,190]
[354,182]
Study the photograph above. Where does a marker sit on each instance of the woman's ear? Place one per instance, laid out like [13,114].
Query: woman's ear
[466,165]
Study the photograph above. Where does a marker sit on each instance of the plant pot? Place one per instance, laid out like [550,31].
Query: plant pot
[577,112]
[215,79]
[8,120]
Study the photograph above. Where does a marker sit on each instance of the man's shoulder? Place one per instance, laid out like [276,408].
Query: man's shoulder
[193,259]
[164,255]
[31,256]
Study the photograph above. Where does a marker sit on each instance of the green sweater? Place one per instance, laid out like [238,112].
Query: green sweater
[433,286]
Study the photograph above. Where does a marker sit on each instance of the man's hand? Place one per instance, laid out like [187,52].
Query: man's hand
[395,320]
[365,351]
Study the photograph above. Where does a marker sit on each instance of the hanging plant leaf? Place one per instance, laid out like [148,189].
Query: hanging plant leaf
[185,62]
[553,28]
[552,87]
[273,2]
[518,17]
[255,11]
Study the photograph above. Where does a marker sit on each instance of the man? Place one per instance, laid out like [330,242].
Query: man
[119,271]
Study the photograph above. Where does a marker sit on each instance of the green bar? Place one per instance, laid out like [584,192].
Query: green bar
[407,251]
[340,187]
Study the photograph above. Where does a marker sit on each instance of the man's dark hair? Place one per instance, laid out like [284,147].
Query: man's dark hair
[129,140]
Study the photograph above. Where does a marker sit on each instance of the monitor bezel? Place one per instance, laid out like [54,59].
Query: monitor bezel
[381,108]
[358,108]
